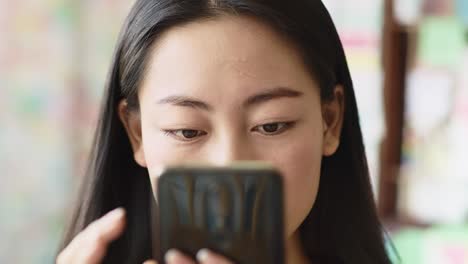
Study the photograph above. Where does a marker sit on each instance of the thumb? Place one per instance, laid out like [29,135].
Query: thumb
[150,262]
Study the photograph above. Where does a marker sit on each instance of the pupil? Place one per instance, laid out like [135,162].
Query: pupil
[189,133]
[270,128]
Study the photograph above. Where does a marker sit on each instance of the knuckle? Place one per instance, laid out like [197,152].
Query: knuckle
[96,239]
[92,252]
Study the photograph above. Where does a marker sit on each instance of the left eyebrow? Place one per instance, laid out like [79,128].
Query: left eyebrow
[271,94]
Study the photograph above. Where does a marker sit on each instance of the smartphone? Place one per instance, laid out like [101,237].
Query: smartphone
[236,211]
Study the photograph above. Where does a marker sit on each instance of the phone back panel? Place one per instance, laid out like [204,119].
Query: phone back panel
[236,212]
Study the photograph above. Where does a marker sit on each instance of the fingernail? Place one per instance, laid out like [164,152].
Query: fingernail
[202,254]
[171,255]
[116,213]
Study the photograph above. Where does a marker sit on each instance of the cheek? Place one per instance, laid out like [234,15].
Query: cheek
[155,158]
[158,151]
[300,166]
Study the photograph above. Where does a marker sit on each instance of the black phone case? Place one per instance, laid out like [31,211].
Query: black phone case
[237,212]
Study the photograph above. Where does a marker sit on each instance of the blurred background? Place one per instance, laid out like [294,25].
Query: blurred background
[408,60]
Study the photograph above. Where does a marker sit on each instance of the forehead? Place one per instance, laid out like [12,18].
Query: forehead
[228,50]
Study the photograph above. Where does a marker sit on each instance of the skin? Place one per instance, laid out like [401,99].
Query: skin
[220,65]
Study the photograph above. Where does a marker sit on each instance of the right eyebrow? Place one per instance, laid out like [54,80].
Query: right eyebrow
[263,97]
[185,101]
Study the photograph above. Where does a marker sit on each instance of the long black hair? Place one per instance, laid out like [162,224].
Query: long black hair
[342,227]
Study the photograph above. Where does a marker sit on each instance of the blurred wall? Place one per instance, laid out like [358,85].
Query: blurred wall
[54,56]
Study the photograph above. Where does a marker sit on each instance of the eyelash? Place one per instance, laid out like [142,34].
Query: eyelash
[172,133]
[285,126]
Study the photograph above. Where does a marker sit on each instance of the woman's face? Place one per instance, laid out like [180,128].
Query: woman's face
[231,89]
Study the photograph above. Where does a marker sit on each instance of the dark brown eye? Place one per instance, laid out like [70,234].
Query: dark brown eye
[185,134]
[189,133]
[270,128]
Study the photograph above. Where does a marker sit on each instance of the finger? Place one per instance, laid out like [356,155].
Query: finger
[206,256]
[176,257]
[150,262]
[107,228]
[90,245]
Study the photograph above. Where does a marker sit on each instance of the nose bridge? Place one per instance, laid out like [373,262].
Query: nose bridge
[231,147]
